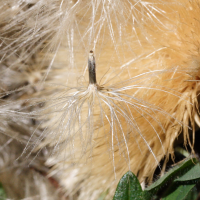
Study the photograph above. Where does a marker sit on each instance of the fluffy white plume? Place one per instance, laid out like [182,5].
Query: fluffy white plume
[89,133]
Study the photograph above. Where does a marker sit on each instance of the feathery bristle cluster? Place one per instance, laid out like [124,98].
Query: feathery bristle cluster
[141,93]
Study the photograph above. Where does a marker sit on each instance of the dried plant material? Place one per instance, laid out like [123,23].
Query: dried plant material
[140,94]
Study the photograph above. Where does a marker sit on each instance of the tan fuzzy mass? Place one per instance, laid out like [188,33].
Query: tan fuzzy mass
[145,57]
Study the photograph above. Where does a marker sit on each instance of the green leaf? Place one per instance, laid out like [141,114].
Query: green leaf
[2,193]
[177,184]
[171,175]
[192,195]
[128,188]
[181,187]
[179,193]
[192,174]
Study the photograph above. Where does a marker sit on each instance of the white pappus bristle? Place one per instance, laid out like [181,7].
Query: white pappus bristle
[91,89]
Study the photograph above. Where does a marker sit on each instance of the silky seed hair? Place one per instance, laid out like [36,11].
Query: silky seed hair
[114,108]
[88,136]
